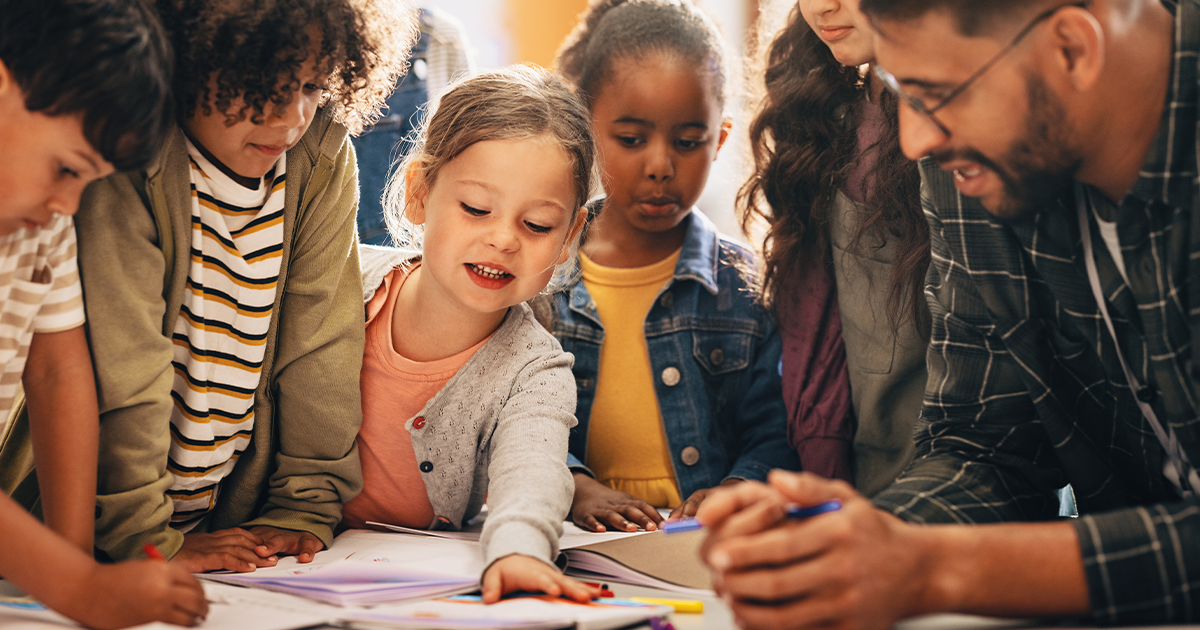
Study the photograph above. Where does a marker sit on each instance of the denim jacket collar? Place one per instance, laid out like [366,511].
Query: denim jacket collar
[698,260]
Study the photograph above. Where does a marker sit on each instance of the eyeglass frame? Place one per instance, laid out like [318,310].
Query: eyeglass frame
[892,85]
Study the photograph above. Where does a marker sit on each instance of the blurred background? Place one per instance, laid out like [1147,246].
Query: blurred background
[501,32]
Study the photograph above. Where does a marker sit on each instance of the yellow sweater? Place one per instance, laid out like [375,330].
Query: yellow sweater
[626,446]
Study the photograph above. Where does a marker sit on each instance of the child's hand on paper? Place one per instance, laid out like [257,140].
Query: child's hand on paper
[688,508]
[598,507]
[231,549]
[524,573]
[287,542]
[132,593]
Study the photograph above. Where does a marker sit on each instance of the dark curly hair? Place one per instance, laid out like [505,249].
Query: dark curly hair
[610,30]
[804,143]
[228,49]
[107,60]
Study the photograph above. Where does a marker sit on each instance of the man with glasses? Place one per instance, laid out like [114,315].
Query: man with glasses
[1058,147]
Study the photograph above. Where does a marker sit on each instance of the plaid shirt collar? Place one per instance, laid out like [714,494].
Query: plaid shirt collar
[1169,172]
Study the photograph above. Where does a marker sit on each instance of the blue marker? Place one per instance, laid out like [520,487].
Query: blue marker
[797,513]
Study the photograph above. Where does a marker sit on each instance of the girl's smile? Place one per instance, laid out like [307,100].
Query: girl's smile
[489,277]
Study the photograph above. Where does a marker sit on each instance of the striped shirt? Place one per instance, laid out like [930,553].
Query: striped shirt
[39,292]
[220,336]
[1026,392]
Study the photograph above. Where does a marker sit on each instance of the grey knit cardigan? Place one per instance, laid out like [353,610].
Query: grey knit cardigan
[497,430]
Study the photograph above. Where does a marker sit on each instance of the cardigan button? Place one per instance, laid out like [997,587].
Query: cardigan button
[419,423]
[690,455]
[426,467]
[670,376]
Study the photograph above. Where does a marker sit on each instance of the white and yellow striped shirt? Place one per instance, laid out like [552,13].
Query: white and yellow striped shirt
[39,292]
[220,336]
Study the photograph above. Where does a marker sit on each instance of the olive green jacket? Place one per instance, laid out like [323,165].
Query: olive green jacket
[301,464]
[886,367]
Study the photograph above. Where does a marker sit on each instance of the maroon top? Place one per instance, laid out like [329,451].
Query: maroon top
[816,386]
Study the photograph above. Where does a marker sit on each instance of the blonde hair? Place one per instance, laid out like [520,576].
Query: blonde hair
[513,102]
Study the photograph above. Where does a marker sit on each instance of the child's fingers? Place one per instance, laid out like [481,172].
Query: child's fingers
[235,534]
[548,582]
[644,514]
[688,508]
[309,546]
[577,590]
[492,586]
[589,522]
[189,600]
[617,521]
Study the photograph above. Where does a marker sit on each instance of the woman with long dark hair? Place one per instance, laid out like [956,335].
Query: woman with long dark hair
[846,243]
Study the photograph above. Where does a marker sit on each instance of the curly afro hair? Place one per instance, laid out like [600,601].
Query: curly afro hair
[254,49]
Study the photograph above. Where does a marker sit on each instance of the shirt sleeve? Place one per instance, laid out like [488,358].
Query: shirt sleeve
[981,454]
[529,487]
[1141,563]
[62,308]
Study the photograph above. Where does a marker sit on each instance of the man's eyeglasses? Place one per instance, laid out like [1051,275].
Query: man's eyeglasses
[918,105]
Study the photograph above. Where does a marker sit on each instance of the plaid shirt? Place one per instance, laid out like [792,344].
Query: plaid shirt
[1025,390]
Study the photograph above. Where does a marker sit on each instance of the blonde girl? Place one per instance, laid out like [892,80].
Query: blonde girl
[465,395]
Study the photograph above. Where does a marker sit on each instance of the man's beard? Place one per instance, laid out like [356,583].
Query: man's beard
[1040,166]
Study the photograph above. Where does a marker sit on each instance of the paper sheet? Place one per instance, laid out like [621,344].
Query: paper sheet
[230,608]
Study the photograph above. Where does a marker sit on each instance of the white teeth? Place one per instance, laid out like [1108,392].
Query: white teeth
[488,272]
[963,173]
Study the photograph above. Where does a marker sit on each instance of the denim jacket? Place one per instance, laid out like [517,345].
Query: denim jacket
[716,356]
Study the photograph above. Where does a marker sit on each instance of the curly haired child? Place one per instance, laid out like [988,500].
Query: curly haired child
[465,396]
[676,366]
[846,231]
[222,286]
[84,89]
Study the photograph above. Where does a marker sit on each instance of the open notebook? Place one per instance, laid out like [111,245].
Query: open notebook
[650,559]
[366,567]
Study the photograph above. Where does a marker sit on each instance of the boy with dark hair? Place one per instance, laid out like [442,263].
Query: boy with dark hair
[223,288]
[83,88]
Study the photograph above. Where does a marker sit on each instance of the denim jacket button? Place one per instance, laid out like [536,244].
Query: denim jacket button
[666,300]
[717,356]
[670,376]
[690,455]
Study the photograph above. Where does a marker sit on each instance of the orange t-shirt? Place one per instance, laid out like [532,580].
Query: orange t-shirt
[394,389]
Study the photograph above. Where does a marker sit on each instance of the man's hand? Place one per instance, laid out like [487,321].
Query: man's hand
[276,541]
[598,507]
[857,568]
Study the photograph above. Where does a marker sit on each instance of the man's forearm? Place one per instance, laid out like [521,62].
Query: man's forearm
[1008,570]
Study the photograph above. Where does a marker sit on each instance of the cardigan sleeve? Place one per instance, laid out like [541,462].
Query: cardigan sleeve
[529,486]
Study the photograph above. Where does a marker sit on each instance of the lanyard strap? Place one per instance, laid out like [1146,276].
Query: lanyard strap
[1141,394]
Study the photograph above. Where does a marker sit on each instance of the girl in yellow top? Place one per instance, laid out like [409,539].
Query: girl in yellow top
[677,369]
